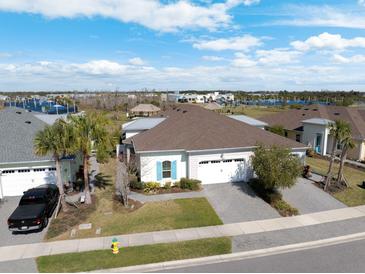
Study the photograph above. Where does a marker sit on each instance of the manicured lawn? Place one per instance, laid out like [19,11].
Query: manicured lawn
[113,218]
[353,195]
[255,112]
[102,259]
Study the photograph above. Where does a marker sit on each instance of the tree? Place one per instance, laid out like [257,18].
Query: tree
[277,129]
[276,167]
[347,143]
[90,133]
[58,140]
[338,130]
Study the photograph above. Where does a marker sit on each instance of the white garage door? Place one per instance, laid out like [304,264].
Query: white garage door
[222,171]
[15,182]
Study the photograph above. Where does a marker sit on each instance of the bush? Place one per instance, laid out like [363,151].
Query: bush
[284,208]
[167,185]
[310,152]
[151,186]
[134,183]
[191,184]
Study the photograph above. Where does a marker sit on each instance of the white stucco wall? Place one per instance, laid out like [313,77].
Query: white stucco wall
[148,165]
[310,133]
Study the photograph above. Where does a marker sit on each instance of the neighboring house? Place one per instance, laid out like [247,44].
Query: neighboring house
[249,120]
[197,143]
[310,125]
[20,168]
[139,125]
[213,106]
[144,110]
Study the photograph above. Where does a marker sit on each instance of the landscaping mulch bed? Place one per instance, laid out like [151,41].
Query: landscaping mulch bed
[132,204]
[164,191]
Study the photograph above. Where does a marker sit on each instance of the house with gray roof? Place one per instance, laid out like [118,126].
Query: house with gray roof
[20,167]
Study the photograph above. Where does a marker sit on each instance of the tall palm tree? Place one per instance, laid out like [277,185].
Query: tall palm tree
[57,140]
[338,130]
[347,143]
[90,133]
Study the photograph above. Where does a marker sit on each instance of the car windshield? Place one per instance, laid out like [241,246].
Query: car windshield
[31,200]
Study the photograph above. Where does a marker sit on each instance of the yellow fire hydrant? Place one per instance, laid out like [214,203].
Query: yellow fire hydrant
[115,246]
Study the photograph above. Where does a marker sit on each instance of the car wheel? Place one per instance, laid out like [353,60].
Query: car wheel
[45,222]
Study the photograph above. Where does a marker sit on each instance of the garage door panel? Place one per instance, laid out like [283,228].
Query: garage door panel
[213,172]
[14,184]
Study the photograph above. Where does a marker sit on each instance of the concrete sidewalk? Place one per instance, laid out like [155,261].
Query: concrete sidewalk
[10,253]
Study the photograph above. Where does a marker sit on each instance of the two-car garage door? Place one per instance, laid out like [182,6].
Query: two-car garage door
[223,171]
[15,182]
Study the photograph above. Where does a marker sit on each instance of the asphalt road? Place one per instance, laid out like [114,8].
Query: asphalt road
[348,257]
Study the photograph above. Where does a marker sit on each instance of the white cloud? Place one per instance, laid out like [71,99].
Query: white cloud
[212,58]
[361,2]
[239,43]
[347,60]
[136,61]
[242,60]
[321,16]
[154,14]
[277,56]
[329,41]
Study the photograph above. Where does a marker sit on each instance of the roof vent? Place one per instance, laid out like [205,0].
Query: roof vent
[336,113]
[315,109]
[303,114]
[185,111]
[28,122]
[306,109]
[178,109]
[18,112]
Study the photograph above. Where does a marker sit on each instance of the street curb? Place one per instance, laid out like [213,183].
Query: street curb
[236,256]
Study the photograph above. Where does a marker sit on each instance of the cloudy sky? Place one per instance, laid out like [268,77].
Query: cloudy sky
[182,44]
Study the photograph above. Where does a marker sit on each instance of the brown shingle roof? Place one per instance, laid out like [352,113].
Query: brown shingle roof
[189,127]
[292,119]
[145,108]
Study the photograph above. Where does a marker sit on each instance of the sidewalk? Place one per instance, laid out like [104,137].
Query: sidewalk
[10,253]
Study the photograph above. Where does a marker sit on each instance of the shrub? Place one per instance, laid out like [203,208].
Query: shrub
[309,152]
[134,183]
[151,186]
[284,208]
[167,185]
[191,184]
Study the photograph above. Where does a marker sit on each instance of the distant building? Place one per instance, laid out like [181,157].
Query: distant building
[144,110]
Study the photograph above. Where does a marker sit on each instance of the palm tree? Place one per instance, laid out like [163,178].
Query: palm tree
[347,143]
[90,133]
[338,130]
[57,140]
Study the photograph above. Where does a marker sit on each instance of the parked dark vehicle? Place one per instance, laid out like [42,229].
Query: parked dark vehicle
[35,207]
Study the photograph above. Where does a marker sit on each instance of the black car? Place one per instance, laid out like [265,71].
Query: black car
[35,207]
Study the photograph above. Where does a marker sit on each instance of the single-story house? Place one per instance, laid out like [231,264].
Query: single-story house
[144,110]
[310,126]
[196,143]
[20,168]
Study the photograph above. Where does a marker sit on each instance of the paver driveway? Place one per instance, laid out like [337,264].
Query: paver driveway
[236,202]
[7,238]
[308,198]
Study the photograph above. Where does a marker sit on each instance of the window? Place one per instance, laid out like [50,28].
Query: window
[227,161]
[8,171]
[286,133]
[215,162]
[297,137]
[23,170]
[166,169]
[52,169]
[204,162]
[239,160]
[39,169]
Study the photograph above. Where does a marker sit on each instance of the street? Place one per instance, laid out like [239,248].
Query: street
[347,257]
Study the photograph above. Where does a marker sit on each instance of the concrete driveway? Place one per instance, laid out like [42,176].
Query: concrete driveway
[236,202]
[8,238]
[308,198]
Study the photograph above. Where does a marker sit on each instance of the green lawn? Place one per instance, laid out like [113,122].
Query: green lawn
[353,195]
[113,219]
[102,259]
[255,112]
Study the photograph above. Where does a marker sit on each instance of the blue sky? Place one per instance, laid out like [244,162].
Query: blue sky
[181,44]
